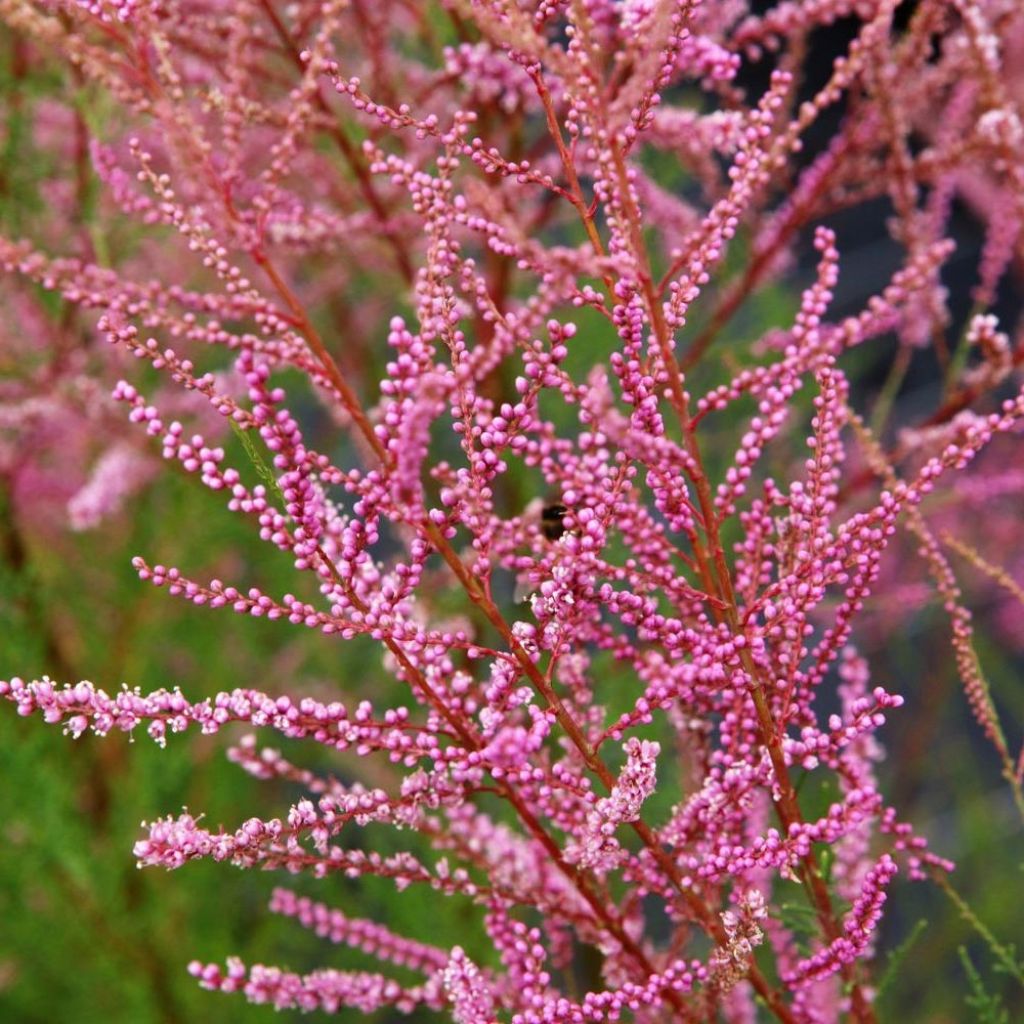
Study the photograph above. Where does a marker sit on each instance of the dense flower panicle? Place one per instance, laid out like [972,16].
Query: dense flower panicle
[598,847]
[729,963]
[326,989]
[467,990]
[436,299]
[369,936]
[83,707]
[858,928]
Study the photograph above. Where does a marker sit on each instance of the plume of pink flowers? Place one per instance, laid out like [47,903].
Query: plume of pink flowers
[496,244]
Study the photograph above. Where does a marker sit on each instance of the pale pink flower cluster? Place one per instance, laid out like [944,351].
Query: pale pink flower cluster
[597,847]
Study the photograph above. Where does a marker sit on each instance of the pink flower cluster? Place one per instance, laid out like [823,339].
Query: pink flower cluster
[494,244]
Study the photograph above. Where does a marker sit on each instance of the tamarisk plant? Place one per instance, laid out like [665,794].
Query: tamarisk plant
[614,734]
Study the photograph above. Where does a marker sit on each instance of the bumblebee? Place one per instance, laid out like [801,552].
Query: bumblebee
[552,520]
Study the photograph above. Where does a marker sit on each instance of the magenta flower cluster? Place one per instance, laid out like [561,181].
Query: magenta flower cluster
[614,554]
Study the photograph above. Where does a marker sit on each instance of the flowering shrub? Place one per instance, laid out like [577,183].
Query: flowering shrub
[460,280]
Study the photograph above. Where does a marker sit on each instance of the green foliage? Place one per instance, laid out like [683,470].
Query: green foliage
[988,1007]
[259,463]
[1005,955]
[896,959]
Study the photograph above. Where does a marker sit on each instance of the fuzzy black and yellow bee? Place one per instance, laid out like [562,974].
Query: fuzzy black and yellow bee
[552,520]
